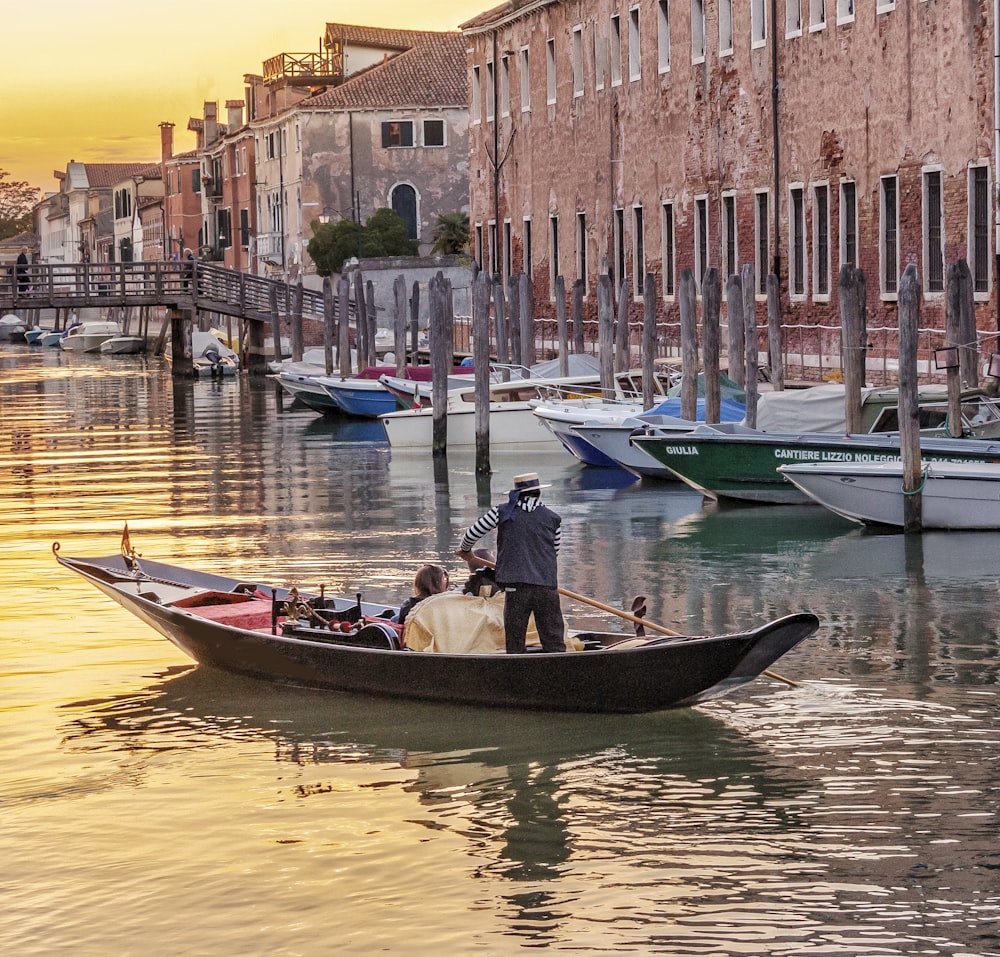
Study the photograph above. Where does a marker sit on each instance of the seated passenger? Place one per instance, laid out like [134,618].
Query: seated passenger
[483,581]
[429,580]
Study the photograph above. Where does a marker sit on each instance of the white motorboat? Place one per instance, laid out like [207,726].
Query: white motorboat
[34,335]
[123,345]
[88,336]
[209,357]
[613,438]
[954,495]
[11,328]
[560,415]
[512,418]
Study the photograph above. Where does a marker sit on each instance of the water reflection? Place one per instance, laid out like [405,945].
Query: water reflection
[812,817]
[855,814]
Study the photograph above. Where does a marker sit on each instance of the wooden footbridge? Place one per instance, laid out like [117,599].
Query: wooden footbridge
[186,290]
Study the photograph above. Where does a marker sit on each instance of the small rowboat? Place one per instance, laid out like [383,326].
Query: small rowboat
[281,635]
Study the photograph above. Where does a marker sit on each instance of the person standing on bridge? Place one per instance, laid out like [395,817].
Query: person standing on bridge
[21,269]
[188,267]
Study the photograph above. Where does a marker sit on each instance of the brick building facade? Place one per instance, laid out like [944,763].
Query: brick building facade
[669,135]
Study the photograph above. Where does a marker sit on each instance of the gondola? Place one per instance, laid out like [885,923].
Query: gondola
[350,645]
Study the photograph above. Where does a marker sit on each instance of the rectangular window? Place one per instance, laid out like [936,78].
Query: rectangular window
[933,232]
[397,133]
[730,259]
[507,264]
[797,240]
[697,31]
[480,257]
[725,27]
[663,35]
[196,181]
[553,254]
[885,6]
[700,238]
[889,234]
[433,132]
[494,249]
[581,248]
[576,60]
[634,49]
[505,86]
[223,225]
[848,224]
[477,97]
[845,11]
[245,228]
[758,23]
[550,71]
[491,91]
[615,51]
[763,243]
[525,82]
[980,204]
[793,18]
[817,14]
[821,240]
[668,252]
[639,251]
[526,250]
[600,58]
[619,275]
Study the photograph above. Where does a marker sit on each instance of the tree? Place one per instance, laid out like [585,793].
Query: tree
[383,234]
[451,234]
[17,200]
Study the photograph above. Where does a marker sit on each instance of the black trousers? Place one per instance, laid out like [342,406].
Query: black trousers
[519,603]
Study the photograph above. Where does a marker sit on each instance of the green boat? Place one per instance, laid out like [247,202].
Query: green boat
[732,461]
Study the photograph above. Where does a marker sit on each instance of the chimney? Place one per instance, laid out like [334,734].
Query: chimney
[234,110]
[166,141]
[211,123]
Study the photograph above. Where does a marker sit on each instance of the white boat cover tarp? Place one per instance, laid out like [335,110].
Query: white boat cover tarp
[820,408]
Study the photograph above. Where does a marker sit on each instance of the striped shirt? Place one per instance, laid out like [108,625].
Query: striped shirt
[489,521]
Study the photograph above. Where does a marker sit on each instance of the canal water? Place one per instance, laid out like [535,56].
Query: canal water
[153,807]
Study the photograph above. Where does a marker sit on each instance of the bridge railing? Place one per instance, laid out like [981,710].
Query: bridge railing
[84,284]
[184,285]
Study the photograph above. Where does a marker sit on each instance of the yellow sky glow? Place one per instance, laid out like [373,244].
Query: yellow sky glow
[92,82]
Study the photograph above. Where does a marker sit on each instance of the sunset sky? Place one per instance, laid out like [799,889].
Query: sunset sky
[91,82]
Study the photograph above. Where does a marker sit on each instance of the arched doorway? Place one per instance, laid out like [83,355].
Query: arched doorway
[404,204]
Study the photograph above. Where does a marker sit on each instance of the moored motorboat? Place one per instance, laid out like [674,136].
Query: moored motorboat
[88,336]
[123,346]
[11,328]
[289,637]
[34,335]
[209,357]
[953,495]
[731,461]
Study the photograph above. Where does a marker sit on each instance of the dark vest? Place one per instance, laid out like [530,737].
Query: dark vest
[526,550]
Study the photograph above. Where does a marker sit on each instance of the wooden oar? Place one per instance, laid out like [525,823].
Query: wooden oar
[635,619]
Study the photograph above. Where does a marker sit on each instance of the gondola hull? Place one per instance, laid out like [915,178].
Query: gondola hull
[620,675]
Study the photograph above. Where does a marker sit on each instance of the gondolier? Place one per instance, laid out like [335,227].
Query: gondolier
[528,538]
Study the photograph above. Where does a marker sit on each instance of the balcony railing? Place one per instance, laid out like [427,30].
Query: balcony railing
[305,68]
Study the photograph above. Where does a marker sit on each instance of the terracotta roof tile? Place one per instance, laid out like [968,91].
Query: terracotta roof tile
[109,174]
[430,71]
[504,11]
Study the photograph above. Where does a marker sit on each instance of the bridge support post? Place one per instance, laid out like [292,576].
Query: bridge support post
[256,357]
[181,352]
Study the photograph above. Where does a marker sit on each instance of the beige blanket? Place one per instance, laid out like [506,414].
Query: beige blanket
[458,624]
